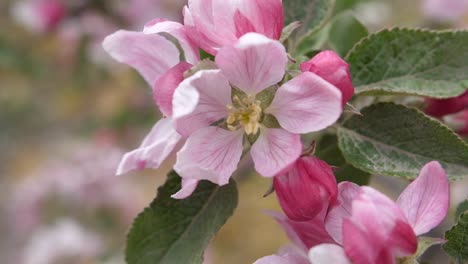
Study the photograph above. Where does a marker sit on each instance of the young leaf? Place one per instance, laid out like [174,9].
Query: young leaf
[424,243]
[410,61]
[312,13]
[345,31]
[462,207]
[394,140]
[178,231]
[457,245]
[327,150]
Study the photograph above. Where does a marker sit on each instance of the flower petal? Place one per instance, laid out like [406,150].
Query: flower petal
[157,145]
[150,55]
[275,259]
[306,189]
[201,100]
[164,87]
[306,104]
[211,153]
[178,31]
[328,253]
[333,69]
[254,63]
[188,187]
[347,192]
[425,201]
[275,150]
[304,234]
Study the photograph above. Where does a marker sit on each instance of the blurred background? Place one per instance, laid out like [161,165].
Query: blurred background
[68,113]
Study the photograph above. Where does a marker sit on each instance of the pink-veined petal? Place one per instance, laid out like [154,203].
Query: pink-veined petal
[377,231]
[156,147]
[275,150]
[327,254]
[347,192]
[306,104]
[178,31]
[425,201]
[201,100]
[188,187]
[164,87]
[151,55]
[254,63]
[333,69]
[211,153]
[304,234]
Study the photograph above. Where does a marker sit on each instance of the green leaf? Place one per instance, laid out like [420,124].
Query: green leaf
[327,150]
[178,231]
[345,31]
[457,236]
[424,243]
[312,13]
[394,140]
[462,207]
[410,61]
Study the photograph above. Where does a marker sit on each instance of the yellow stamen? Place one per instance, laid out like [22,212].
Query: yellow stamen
[244,113]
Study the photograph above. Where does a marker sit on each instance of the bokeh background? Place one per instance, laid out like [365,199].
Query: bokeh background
[68,113]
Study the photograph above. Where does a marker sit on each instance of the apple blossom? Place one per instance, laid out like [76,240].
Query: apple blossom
[306,189]
[445,10]
[40,15]
[213,24]
[231,96]
[328,65]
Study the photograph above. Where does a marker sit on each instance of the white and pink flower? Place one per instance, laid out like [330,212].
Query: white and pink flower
[213,24]
[232,96]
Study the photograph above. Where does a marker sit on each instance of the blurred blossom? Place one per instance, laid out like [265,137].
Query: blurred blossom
[81,186]
[65,240]
[39,15]
[445,10]
[374,15]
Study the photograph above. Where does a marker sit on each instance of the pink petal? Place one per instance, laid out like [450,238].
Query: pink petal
[150,55]
[164,87]
[425,201]
[304,234]
[441,107]
[188,187]
[211,153]
[347,192]
[328,65]
[306,189]
[306,104]
[157,145]
[275,150]
[328,253]
[217,23]
[254,63]
[377,231]
[201,100]
[275,259]
[178,31]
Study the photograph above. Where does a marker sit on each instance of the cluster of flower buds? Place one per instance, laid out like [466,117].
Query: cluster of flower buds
[347,223]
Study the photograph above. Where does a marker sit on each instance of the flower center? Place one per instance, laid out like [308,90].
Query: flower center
[244,113]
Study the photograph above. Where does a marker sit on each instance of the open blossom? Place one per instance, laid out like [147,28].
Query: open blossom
[328,65]
[306,189]
[232,97]
[365,226]
[445,10]
[213,24]
[40,15]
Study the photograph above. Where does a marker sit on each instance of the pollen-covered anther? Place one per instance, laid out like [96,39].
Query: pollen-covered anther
[244,113]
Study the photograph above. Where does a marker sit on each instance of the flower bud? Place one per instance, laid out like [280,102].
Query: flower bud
[306,189]
[328,65]
[441,107]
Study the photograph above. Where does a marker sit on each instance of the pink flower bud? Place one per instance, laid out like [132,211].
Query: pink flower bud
[306,189]
[40,15]
[328,65]
[441,107]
